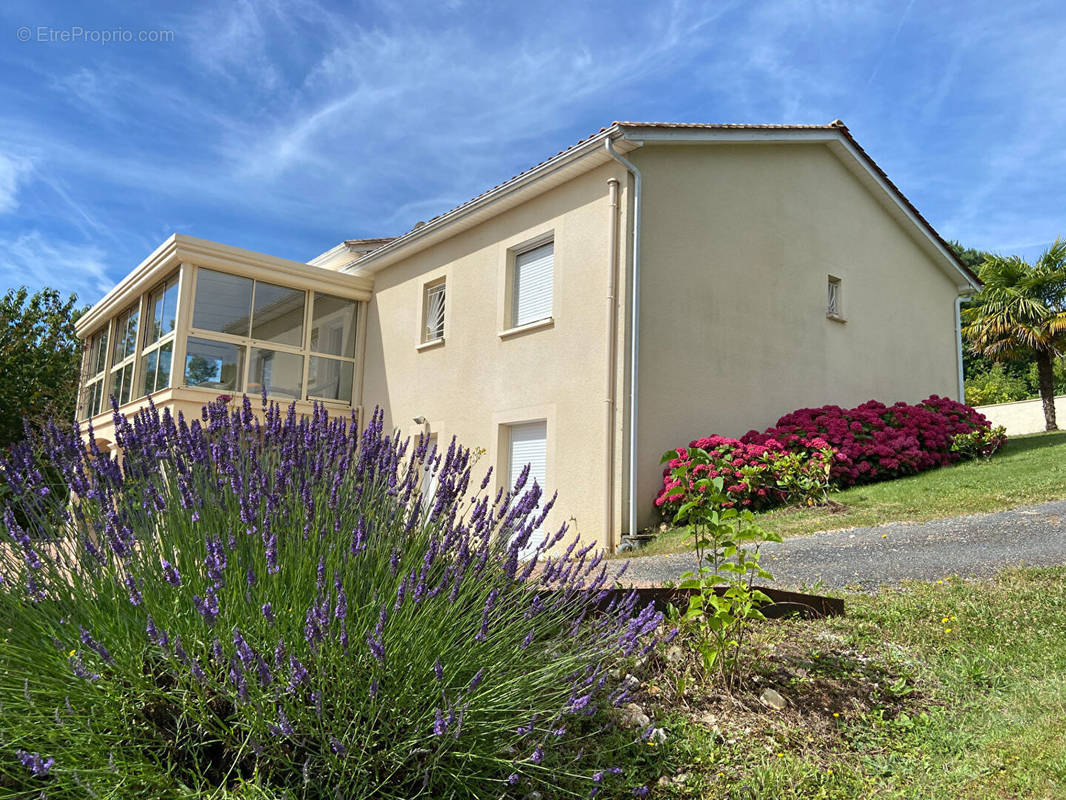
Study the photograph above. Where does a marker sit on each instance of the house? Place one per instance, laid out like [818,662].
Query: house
[649,284]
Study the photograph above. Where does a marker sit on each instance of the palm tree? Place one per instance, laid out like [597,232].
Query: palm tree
[1020,313]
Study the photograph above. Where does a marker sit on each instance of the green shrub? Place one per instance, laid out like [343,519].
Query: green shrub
[268,603]
[979,443]
[996,386]
[727,544]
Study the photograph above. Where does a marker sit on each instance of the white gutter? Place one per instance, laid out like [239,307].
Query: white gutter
[634,341]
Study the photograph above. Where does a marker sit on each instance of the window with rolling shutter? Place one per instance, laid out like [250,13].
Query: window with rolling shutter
[433,312]
[529,445]
[533,271]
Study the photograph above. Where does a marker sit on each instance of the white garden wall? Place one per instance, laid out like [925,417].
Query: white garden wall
[1023,416]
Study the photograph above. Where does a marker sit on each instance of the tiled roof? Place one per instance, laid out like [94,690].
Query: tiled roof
[835,125]
[729,126]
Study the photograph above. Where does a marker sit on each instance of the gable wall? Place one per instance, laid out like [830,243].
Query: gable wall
[738,241]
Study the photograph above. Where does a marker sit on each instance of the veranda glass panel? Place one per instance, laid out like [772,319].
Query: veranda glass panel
[330,379]
[223,302]
[148,365]
[154,329]
[277,372]
[162,375]
[278,316]
[99,352]
[125,336]
[170,308]
[333,326]
[213,365]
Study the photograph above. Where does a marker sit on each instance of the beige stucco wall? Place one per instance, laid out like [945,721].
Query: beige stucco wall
[1023,416]
[738,242]
[476,381]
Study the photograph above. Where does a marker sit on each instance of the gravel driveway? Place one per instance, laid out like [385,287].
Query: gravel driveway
[970,546]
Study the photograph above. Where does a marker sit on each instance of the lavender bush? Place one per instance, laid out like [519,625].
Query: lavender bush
[263,605]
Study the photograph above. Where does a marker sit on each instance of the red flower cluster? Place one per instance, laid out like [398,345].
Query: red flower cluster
[797,459]
[876,442]
[754,475]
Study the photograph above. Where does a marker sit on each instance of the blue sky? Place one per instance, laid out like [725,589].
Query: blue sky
[287,127]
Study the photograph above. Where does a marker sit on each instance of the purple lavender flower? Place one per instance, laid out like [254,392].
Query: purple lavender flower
[297,673]
[207,605]
[640,791]
[170,573]
[78,667]
[440,725]
[513,779]
[438,670]
[537,756]
[476,680]
[341,611]
[135,596]
[376,641]
[244,650]
[92,644]
[268,613]
[336,746]
[215,560]
[284,726]
[37,766]
[578,703]
[272,554]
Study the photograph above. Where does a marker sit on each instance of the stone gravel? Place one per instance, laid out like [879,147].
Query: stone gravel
[866,558]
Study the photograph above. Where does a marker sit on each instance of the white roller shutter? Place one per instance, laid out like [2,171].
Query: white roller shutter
[533,284]
[529,445]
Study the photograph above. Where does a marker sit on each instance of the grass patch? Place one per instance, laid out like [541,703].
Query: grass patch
[940,690]
[1029,469]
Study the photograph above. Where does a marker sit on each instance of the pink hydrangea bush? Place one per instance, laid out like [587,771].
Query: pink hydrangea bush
[811,449]
[875,442]
[755,475]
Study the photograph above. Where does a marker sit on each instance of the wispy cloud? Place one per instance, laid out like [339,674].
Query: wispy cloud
[12,171]
[287,126]
[35,259]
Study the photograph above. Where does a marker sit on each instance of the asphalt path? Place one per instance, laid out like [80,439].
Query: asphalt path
[977,545]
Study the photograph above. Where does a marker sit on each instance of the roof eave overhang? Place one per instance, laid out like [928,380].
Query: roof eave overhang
[851,155]
[180,249]
[579,159]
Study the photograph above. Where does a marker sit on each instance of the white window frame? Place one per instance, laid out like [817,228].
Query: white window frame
[508,440]
[129,359]
[147,348]
[834,300]
[434,335]
[507,326]
[95,379]
[516,321]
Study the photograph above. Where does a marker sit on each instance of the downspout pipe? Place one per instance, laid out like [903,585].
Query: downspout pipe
[611,377]
[958,341]
[634,329]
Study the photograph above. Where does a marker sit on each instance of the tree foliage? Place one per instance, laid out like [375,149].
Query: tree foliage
[1020,315]
[39,359]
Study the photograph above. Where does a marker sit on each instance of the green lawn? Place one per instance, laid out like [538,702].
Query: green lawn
[1029,469]
[946,689]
